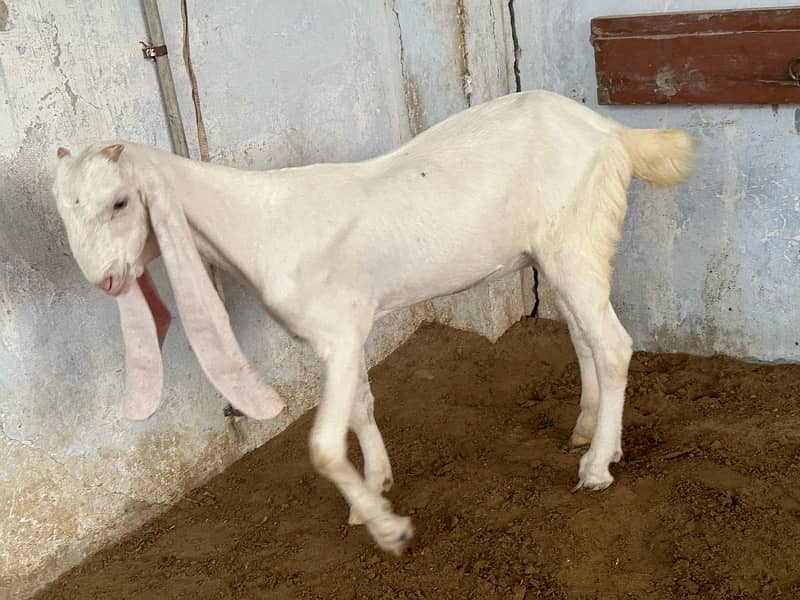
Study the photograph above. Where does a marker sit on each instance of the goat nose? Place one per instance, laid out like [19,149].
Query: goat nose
[106,284]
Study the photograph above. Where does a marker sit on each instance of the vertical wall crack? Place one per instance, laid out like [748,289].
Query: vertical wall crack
[512,18]
[466,76]
[410,95]
[56,60]
[515,40]
[493,23]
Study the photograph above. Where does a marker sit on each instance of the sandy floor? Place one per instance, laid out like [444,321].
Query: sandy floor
[706,503]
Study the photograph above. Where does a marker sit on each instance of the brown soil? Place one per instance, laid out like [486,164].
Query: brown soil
[706,503]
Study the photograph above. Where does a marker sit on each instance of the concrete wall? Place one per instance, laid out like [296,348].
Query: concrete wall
[282,83]
[711,267]
[454,55]
[715,265]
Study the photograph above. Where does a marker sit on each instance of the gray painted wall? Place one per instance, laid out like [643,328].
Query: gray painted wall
[282,83]
[712,267]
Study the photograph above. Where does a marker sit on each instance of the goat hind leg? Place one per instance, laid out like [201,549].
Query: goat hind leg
[586,293]
[611,346]
[590,389]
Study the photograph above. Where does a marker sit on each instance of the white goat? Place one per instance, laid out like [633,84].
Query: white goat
[526,179]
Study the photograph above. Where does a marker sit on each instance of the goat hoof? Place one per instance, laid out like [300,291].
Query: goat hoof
[391,533]
[593,475]
[578,441]
[574,447]
[355,518]
[592,486]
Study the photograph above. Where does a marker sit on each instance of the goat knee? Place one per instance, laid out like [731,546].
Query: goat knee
[326,457]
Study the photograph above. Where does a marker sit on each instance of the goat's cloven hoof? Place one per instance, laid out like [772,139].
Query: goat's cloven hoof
[392,534]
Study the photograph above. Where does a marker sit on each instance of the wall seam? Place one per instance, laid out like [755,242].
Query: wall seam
[518,88]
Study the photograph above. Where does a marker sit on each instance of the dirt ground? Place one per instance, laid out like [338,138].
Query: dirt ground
[706,503]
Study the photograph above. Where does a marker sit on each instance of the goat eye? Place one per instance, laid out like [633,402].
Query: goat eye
[120,204]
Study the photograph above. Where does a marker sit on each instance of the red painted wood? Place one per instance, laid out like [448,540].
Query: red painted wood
[719,57]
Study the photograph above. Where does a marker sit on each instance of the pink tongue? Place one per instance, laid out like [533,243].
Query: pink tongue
[161,315]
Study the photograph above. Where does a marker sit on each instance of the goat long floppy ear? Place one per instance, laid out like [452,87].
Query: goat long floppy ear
[143,368]
[204,317]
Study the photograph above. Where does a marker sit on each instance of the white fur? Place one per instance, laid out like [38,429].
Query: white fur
[527,179]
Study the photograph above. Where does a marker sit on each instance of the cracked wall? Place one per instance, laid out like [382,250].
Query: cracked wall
[340,81]
[713,266]
[455,55]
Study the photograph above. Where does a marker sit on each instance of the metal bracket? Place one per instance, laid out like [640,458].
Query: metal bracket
[229,411]
[153,52]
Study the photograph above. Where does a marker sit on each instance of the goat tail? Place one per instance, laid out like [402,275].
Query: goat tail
[660,156]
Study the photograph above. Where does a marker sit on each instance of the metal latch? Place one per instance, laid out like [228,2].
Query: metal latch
[152,52]
[229,411]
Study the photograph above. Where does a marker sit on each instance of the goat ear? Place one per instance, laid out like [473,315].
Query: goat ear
[159,312]
[62,152]
[112,152]
[143,367]
[203,315]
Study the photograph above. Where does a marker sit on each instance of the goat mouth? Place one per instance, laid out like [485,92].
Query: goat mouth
[119,284]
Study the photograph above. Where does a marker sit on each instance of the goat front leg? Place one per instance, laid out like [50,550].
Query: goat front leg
[328,442]
[377,468]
